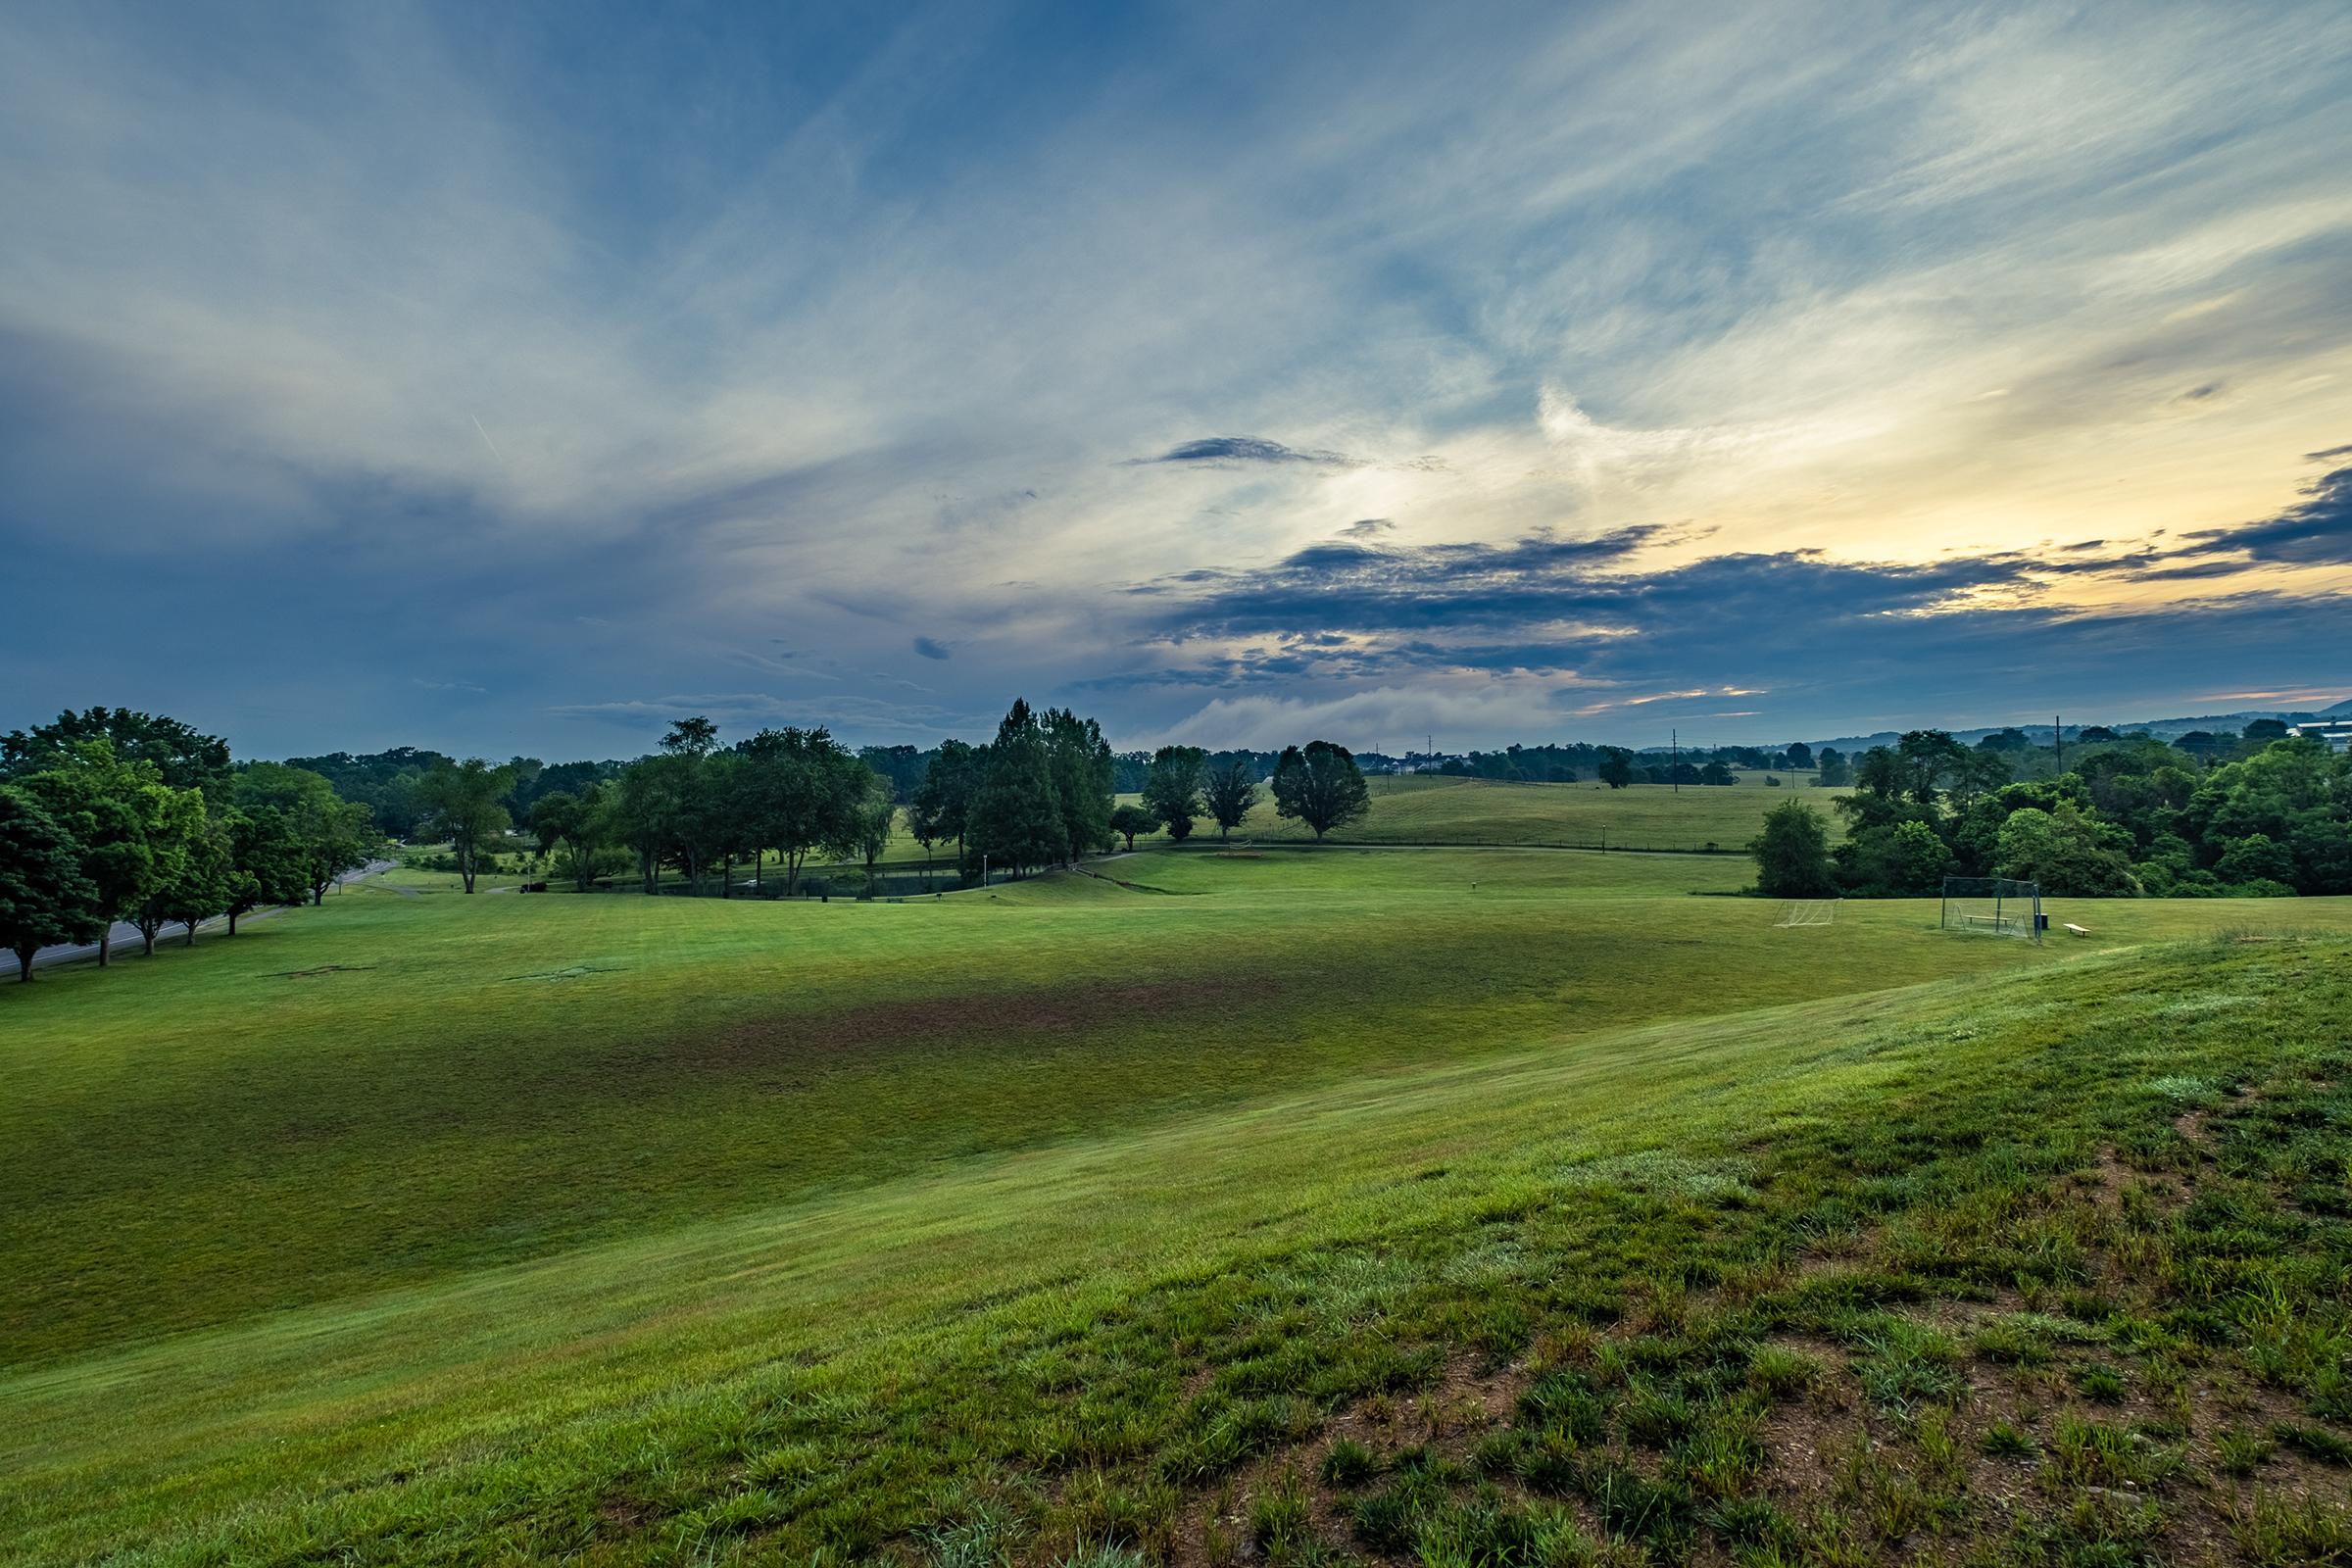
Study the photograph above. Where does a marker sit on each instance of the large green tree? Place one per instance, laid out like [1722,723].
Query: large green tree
[717,828]
[1929,760]
[466,802]
[184,866]
[873,820]
[1793,853]
[184,757]
[691,737]
[269,863]
[44,897]
[134,829]
[1130,819]
[943,799]
[333,835]
[562,818]
[1902,858]
[923,826]
[1016,821]
[1229,791]
[2068,850]
[1079,759]
[1321,786]
[642,810]
[207,879]
[1172,789]
[802,789]
[1616,766]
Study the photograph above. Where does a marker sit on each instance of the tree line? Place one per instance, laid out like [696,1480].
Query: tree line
[1043,792]
[392,784]
[1619,766]
[112,816]
[2264,816]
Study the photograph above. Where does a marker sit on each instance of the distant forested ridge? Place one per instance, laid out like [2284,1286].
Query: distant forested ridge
[110,815]
[2260,813]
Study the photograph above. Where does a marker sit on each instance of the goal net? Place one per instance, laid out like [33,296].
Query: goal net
[1992,906]
[1807,912]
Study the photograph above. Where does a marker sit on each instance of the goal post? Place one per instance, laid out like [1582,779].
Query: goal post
[1807,912]
[1992,906]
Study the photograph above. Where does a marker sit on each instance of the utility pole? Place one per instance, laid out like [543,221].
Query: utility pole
[2058,741]
[1674,739]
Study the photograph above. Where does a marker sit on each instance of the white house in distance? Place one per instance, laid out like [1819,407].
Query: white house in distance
[2336,732]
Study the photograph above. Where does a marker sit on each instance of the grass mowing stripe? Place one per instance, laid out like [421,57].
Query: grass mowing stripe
[386,1089]
[872,1365]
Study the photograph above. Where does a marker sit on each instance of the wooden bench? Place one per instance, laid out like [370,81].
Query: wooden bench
[1997,921]
[2076,930]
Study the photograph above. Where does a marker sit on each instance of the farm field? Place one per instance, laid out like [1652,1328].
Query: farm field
[1415,808]
[1427,808]
[440,1229]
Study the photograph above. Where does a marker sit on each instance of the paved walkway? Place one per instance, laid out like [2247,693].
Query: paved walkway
[123,937]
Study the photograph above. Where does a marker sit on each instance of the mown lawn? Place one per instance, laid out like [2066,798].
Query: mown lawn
[1426,809]
[392,1087]
[2048,1267]
[436,1229]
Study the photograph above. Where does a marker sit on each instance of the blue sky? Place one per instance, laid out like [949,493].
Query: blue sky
[515,378]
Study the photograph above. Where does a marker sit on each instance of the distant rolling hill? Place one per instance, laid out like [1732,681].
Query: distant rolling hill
[2161,728]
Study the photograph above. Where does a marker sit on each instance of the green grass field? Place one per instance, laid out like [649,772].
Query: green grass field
[1422,1205]
[1426,809]
[1415,808]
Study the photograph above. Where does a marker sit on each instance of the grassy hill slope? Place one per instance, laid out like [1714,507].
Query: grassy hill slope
[1445,1257]
[389,1088]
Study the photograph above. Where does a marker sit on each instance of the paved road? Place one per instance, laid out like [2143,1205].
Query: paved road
[124,936]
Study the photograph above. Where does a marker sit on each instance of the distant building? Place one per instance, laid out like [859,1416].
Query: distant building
[2336,732]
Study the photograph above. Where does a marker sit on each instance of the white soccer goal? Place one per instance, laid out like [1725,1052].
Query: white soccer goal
[1992,906]
[1807,912]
